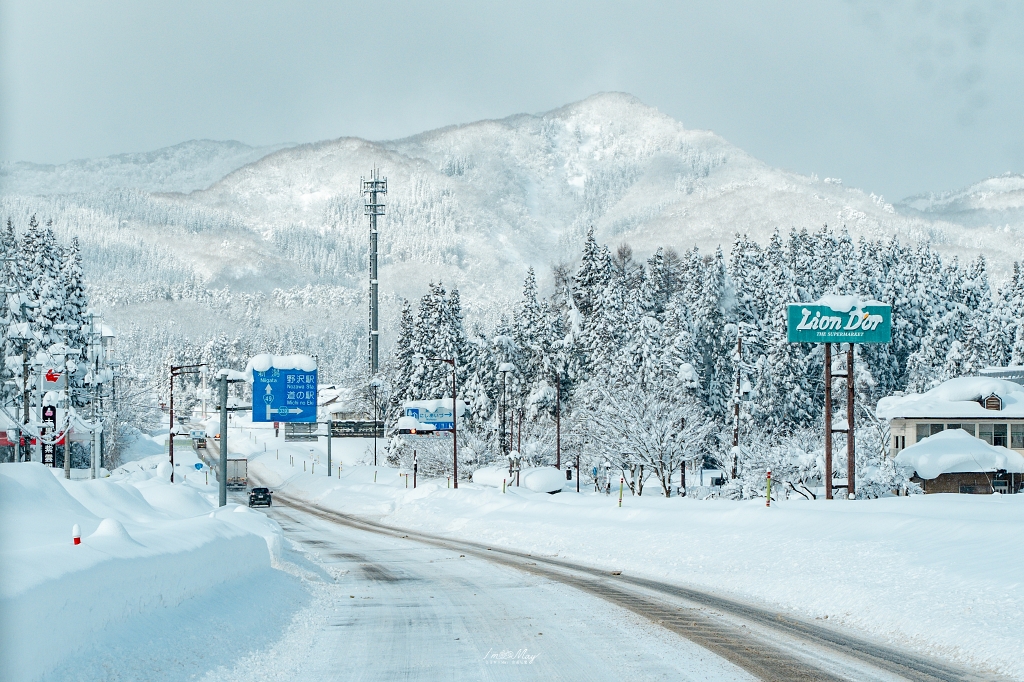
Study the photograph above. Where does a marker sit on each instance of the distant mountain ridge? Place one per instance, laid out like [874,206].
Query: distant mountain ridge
[472,205]
[185,167]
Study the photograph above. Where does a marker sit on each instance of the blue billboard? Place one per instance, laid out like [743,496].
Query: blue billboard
[284,395]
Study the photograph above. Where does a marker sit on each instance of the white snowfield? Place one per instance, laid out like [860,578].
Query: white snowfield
[147,546]
[958,399]
[937,574]
[956,451]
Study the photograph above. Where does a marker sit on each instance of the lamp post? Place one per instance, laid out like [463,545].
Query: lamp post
[558,421]
[504,368]
[177,370]
[455,421]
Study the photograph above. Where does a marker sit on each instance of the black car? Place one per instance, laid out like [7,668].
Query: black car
[259,497]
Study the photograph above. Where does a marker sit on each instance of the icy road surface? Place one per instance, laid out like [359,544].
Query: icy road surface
[387,609]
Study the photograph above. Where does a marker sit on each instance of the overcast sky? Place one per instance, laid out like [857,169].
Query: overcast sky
[893,97]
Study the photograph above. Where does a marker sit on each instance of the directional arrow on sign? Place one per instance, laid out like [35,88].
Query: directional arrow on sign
[286,410]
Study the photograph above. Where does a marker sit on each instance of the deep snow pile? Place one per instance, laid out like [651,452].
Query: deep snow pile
[145,545]
[931,573]
[955,451]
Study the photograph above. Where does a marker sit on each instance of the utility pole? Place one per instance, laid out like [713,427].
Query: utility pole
[736,406]
[223,477]
[374,188]
[504,368]
[373,387]
[558,422]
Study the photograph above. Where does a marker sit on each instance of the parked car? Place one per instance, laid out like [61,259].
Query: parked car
[259,497]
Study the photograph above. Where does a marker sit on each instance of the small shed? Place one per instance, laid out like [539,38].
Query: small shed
[953,461]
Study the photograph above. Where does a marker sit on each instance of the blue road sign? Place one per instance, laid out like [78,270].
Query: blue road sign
[284,395]
[199,466]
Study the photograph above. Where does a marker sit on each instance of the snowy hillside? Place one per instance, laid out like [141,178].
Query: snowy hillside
[185,167]
[493,197]
[997,202]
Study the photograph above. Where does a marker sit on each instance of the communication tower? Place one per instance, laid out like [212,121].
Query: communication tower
[373,190]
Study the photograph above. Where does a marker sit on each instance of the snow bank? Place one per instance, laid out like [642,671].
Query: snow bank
[537,479]
[143,548]
[955,451]
[491,476]
[434,405]
[958,399]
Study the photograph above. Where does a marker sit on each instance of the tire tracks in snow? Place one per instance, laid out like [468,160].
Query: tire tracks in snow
[768,645]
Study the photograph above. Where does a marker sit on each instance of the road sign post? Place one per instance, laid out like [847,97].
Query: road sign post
[49,449]
[284,395]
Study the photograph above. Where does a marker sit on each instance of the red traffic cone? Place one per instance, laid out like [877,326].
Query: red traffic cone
[76,535]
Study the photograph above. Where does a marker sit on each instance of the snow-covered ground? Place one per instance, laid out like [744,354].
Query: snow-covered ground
[156,563]
[936,574]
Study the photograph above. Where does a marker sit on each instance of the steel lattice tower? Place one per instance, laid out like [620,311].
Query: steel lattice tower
[373,206]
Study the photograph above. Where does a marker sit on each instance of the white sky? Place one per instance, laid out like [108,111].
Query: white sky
[894,97]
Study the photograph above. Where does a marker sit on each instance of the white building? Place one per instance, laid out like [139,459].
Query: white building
[989,409]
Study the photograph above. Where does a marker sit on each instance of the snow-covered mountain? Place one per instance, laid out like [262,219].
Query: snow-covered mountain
[997,202]
[472,205]
[185,167]
[478,203]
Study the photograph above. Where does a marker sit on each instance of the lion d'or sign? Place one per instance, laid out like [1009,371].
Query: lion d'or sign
[839,319]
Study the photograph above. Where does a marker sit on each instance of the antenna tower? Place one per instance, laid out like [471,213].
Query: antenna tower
[373,190]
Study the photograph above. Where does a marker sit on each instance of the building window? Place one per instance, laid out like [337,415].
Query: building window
[922,432]
[899,442]
[969,428]
[985,432]
[936,428]
[1017,436]
[993,434]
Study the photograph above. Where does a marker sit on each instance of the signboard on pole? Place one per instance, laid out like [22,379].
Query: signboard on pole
[843,321]
[49,449]
[284,395]
[437,413]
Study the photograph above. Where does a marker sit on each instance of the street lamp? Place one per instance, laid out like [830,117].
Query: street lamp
[177,370]
[455,422]
[504,368]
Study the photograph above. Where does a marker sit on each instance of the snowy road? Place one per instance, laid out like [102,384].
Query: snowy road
[398,608]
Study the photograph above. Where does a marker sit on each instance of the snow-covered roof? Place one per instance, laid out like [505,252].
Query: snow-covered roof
[1014,373]
[844,304]
[957,399]
[956,451]
[434,405]
[411,424]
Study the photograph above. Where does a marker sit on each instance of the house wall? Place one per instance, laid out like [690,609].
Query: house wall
[904,432]
[977,483]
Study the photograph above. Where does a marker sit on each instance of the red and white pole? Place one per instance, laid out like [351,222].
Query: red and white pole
[76,535]
[768,491]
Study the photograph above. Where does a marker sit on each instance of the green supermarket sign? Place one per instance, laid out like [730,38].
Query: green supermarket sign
[842,320]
